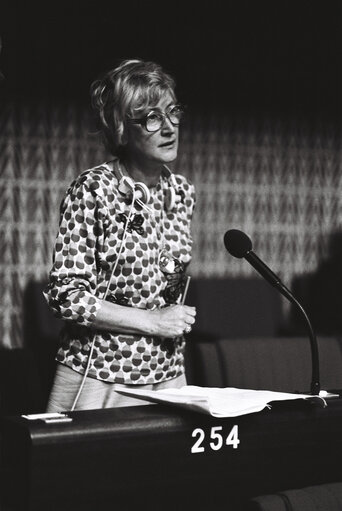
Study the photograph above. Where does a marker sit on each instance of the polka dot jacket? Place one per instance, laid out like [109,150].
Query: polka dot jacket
[150,273]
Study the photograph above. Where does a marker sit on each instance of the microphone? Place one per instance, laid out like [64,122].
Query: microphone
[239,245]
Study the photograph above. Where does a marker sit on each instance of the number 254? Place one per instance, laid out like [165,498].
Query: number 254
[216,437]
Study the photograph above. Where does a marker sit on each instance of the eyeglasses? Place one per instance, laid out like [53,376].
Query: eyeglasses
[155,119]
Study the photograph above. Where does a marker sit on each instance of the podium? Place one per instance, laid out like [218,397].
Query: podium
[159,457]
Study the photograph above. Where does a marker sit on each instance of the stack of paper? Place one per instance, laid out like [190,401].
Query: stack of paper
[218,402]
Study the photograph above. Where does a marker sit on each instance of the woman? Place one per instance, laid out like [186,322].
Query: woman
[123,245]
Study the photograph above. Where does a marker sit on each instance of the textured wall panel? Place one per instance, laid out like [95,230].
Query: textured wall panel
[280,181]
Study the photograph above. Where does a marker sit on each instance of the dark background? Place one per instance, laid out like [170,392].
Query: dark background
[231,55]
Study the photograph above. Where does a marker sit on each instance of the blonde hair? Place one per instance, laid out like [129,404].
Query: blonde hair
[133,85]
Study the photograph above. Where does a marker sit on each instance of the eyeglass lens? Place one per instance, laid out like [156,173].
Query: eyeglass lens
[154,120]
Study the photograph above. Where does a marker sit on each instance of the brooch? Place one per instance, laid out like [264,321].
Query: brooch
[133,225]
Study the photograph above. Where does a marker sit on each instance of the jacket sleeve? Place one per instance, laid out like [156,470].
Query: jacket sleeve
[71,292]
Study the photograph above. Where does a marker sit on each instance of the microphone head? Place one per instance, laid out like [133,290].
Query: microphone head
[237,243]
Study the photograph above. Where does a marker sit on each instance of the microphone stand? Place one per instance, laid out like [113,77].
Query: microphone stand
[315,383]
[274,280]
[239,245]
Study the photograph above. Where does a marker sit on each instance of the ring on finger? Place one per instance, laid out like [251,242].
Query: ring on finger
[187,329]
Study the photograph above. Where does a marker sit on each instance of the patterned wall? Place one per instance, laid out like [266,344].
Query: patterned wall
[278,180]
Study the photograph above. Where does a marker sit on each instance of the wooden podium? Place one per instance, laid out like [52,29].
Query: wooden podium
[162,458]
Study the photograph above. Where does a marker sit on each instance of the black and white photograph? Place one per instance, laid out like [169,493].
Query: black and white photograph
[171,255]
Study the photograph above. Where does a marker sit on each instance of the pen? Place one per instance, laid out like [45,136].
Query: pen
[185,289]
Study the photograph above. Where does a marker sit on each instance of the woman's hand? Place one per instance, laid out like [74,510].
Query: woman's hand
[173,321]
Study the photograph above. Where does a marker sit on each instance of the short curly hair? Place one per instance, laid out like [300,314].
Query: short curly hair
[133,85]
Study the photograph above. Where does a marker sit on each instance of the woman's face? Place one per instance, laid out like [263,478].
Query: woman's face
[156,147]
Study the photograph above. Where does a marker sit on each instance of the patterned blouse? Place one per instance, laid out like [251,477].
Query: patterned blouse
[150,273]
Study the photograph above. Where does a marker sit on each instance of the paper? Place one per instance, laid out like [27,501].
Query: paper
[218,402]
[45,416]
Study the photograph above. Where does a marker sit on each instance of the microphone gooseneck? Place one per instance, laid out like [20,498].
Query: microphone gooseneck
[239,245]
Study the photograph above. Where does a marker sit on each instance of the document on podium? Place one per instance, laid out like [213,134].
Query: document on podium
[218,402]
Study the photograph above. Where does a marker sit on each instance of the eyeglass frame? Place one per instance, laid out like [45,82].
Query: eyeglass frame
[143,120]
